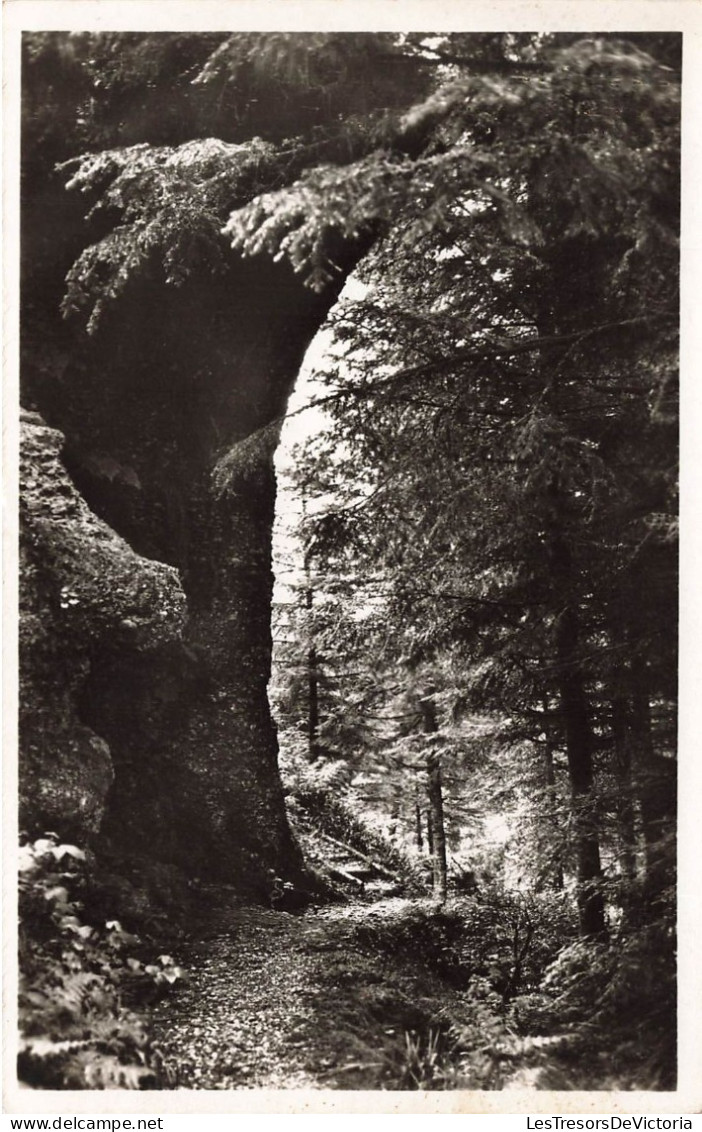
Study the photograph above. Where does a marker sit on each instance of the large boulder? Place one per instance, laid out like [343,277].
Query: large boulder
[84,595]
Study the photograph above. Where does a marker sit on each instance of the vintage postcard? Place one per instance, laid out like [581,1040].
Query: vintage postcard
[351,675]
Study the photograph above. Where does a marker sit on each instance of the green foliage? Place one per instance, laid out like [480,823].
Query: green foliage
[471,1040]
[435,934]
[505,389]
[237,469]
[338,89]
[314,796]
[296,223]
[581,1015]
[618,997]
[581,179]
[87,91]
[424,1060]
[76,977]
[171,202]
[500,938]
[503,404]
[246,115]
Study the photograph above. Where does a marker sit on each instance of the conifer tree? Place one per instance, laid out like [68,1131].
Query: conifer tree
[511,378]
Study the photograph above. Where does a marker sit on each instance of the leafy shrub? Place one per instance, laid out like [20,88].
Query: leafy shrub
[503,937]
[511,937]
[533,1013]
[482,1041]
[75,978]
[419,930]
[426,1064]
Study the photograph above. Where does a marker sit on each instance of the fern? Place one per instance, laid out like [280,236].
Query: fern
[76,1031]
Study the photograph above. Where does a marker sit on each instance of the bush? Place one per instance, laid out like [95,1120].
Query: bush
[513,936]
[617,1000]
[422,931]
[504,938]
[75,977]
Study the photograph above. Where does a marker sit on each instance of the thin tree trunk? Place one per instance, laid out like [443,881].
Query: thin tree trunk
[579,751]
[557,878]
[312,704]
[579,739]
[419,840]
[625,791]
[395,812]
[436,803]
[620,680]
[312,663]
[655,783]
[578,729]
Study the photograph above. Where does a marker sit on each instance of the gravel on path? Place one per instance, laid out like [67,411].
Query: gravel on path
[276,1001]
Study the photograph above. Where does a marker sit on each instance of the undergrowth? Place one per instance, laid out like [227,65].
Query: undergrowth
[533,1005]
[81,981]
[314,800]
[489,991]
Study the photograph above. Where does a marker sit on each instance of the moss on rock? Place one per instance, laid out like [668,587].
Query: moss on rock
[84,593]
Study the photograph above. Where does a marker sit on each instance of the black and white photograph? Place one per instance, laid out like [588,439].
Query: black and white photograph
[348,582]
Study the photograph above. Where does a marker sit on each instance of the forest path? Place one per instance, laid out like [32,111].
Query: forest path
[288,1002]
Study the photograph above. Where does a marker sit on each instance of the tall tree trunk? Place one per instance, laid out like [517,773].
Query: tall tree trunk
[570,684]
[436,805]
[395,811]
[312,673]
[656,785]
[557,878]
[418,839]
[312,704]
[626,816]
[312,659]
[577,727]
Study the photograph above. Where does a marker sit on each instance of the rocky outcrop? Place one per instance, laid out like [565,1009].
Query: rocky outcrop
[84,595]
[170,410]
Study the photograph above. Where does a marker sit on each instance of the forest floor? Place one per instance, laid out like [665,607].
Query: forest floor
[284,1001]
[368,995]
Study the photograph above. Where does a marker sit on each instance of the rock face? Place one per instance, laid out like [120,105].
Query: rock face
[171,414]
[84,594]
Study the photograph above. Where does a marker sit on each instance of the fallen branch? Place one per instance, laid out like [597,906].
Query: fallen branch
[354,1065]
[335,871]
[363,857]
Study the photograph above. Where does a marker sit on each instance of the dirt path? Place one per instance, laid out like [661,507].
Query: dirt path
[279,1001]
